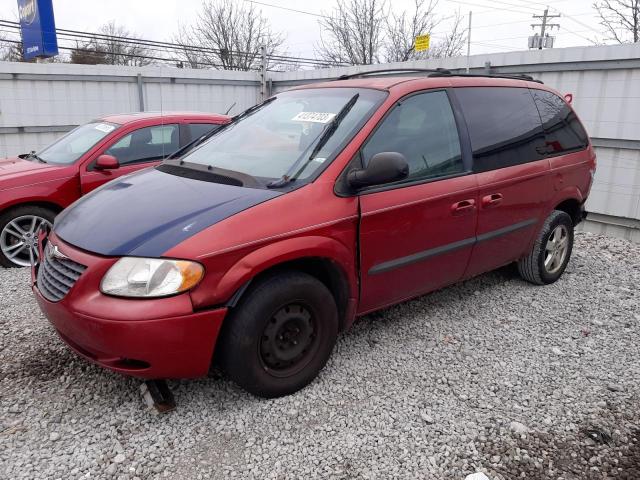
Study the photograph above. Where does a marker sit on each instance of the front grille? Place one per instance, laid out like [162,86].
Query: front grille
[56,276]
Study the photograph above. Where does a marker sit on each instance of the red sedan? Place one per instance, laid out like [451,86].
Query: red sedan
[36,186]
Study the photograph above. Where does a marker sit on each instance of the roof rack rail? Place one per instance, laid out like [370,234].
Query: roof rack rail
[514,76]
[443,71]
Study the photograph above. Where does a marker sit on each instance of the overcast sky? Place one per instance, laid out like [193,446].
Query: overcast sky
[497,25]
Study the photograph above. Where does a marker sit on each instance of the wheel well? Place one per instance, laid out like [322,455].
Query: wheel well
[324,269]
[572,208]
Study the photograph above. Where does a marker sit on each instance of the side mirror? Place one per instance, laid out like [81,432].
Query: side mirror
[384,167]
[107,162]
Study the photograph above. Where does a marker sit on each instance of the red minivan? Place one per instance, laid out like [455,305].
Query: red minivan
[326,202]
[34,187]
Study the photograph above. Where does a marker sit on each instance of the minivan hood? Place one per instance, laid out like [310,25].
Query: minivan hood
[147,213]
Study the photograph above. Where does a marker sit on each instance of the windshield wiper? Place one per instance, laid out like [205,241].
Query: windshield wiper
[251,110]
[35,156]
[193,144]
[324,137]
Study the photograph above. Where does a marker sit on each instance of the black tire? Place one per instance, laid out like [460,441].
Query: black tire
[532,268]
[16,213]
[280,336]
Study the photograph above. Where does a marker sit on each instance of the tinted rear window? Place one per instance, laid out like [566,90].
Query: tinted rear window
[563,130]
[504,126]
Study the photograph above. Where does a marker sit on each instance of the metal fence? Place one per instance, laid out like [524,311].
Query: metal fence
[39,102]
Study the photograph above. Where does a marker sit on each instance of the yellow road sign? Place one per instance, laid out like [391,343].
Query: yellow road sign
[422,42]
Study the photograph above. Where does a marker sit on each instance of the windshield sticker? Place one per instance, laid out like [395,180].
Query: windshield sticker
[314,117]
[104,127]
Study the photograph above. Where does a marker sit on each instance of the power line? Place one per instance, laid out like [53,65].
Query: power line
[489,9]
[162,46]
[288,9]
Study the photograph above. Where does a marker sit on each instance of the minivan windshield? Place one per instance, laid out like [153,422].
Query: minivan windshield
[76,143]
[291,136]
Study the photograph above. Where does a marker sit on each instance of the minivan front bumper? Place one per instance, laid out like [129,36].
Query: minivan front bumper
[150,339]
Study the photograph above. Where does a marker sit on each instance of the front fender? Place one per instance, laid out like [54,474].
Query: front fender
[288,250]
[217,289]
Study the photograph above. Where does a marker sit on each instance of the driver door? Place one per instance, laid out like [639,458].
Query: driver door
[135,150]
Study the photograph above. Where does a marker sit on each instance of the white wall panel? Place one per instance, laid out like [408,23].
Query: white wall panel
[605,82]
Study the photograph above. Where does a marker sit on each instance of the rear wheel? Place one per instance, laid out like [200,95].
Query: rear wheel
[280,336]
[19,234]
[551,252]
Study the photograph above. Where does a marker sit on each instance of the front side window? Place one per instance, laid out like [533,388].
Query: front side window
[290,137]
[562,129]
[146,144]
[504,126]
[76,143]
[423,129]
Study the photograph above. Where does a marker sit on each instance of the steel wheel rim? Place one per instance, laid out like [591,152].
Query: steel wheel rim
[556,249]
[19,239]
[289,340]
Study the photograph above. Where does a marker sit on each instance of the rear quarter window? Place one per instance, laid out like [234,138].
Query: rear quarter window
[504,126]
[562,129]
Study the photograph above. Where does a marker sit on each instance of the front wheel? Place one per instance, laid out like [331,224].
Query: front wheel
[280,336]
[551,252]
[19,234]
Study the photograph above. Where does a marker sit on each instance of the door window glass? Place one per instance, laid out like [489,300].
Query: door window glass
[199,129]
[504,126]
[563,130]
[146,144]
[423,129]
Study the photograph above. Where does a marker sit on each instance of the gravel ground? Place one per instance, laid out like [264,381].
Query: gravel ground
[492,375]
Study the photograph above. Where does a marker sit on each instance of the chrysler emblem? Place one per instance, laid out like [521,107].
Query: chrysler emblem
[54,252]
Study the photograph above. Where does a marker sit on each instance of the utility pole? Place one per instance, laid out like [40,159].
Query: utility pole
[543,26]
[469,42]
[263,73]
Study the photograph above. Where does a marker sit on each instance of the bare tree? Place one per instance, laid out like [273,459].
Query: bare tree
[362,31]
[402,30]
[119,51]
[113,45]
[355,31]
[620,19]
[454,41]
[88,54]
[10,49]
[227,35]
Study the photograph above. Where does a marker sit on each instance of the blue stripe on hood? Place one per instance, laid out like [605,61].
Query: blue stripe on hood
[149,212]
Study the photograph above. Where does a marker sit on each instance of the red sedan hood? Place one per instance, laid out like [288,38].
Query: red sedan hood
[30,170]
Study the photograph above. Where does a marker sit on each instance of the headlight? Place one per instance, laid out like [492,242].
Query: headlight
[150,277]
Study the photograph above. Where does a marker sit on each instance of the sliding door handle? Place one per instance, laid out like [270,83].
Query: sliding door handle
[492,200]
[464,206]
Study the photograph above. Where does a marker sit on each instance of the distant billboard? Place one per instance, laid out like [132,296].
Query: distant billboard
[38,28]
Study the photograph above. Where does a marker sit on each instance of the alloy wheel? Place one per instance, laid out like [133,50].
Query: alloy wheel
[556,249]
[19,239]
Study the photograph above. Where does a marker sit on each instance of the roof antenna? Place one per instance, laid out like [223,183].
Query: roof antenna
[232,105]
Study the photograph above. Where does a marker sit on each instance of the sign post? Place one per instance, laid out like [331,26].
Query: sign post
[422,43]
[38,29]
